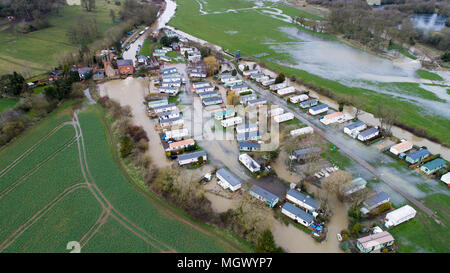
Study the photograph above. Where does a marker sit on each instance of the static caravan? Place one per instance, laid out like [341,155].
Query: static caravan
[417,156]
[168,114]
[309,103]
[250,72]
[172,78]
[268,82]
[284,117]
[433,166]
[206,95]
[247,128]
[169,70]
[446,178]
[331,118]
[239,88]
[376,200]
[297,214]
[256,76]
[263,79]
[156,103]
[168,84]
[261,194]
[227,180]
[260,101]
[250,136]
[178,145]
[233,83]
[285,91]
[196,85]
[401,147]
[306,153]
[227,78]
[302,200]
[171,90]
[197,74]
[302,131]
[354,128]
[191,157]
[277,86]
[164,108]
[176,134]
[356,185]
[368,134]
[299,98]
[224,114]
[249,163]
[202,89]
[249,146]
[248,97]
[212,101]
[375,242]
[399,216]
[276,112]
[231,121]
[165,58]
[318,109]
[171,122]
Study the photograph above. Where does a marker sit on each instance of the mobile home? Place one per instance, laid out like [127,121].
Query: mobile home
[283,117]
[249,163]
[261,194]
[191,157]
[297,214]
[331,118]
[277,86]
[231,121]
[399,216]
[368,134]
[302,200]
[354,128]
[401,147]
[247,128]
[299,98]
[224,114]
[302,131]
[227,180]
[318,109]
[285,91]
[309,103]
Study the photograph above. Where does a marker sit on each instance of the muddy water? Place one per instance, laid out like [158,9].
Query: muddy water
[132,91]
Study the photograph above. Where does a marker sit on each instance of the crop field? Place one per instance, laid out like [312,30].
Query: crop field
[59,182]
[36,52]
[260,32]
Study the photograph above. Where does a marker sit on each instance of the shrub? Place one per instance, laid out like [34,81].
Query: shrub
[126,146]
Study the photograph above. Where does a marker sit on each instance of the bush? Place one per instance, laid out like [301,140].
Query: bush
[266,243]
[280,78]
[126,146]
[384,207]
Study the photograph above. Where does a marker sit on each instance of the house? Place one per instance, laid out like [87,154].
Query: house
[227,180]
[276,112]
[191,157]
[285,91]
[109,69]
[261,194]
[417,156]
[246,98]
[354,128]
[257,102]
[299,98]
[168,115]
[283,117]
[212,101]
[224,114]
[399,216]
[250,136]
[231,121]
[306,153]
[296,214]
[356,185]
[309,103]
[446,178]
[268,82]
[433,166]
[302,200]
[331,118]
[250,72]
[368,134]
[171,90]
[302,131]
[178,145]
[376,200]
[249,146]
[176,134]
[206,95]
[202,89]
[125,67]
[277,86]
[171,121]
[375,242]
[401,147]
[318,109]
[246,128]
[249,163]
[196,85]
[84,72]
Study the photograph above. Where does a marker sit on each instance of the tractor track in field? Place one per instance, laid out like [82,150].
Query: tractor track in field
[15,234]
[32,148]
[29,173]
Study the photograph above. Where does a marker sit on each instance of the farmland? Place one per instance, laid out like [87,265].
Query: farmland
[36,52]
[88,199]
[255,37]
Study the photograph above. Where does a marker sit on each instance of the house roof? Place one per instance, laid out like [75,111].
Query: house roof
[205,94]
[191,155]
[435,164]
[257,100]
[319,107]
[200,83]
[204,87]
[358,182]
[223,113]
[375,239]
[234,87]
[446,178]
[418,154]
[369,132]
[170,120]
[307,102]
[298,212]
[249,144]
[164,106]
[304,198]
[355,125]
[376,198]
[333,115]
[124,62]
[263,193]
[182,143]
[248,135]
[402,145]
[304,152]
[229,177]
[246,126]
[167,113]
[212,99]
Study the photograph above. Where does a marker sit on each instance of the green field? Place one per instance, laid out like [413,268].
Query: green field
[48,199]
[293,12]
[424,74]
[6,103]
[35,52]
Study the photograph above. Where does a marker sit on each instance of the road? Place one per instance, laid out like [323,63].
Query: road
[332,138]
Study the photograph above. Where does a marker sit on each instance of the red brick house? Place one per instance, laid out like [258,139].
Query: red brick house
[125,67]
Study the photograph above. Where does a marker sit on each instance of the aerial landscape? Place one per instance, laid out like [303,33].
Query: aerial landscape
[224,126]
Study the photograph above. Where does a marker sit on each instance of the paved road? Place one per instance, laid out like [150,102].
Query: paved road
[331,138]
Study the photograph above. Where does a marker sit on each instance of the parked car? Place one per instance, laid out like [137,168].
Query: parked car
[339,237]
